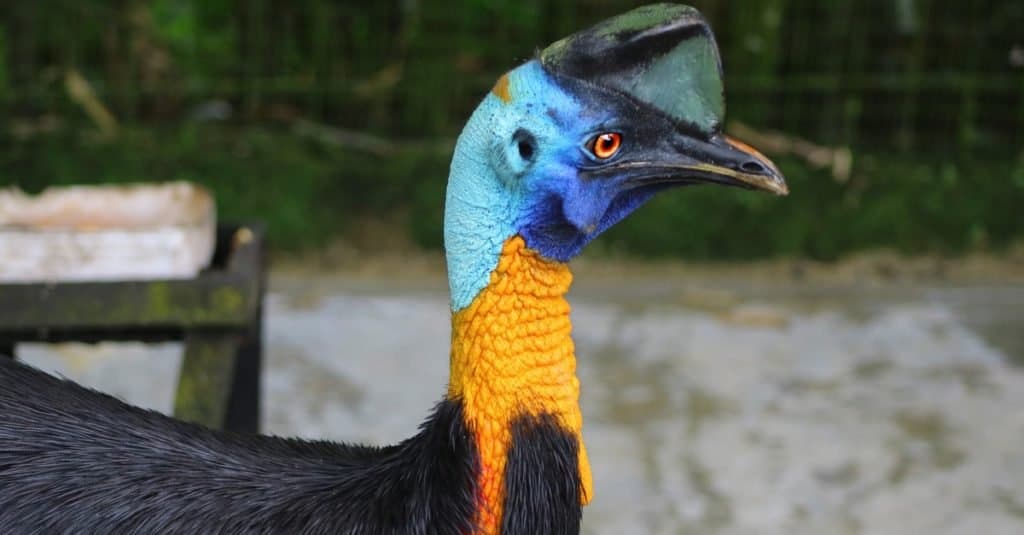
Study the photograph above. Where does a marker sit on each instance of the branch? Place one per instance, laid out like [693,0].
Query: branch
[840,159]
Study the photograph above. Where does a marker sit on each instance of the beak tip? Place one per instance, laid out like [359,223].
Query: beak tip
[772,183]
[767,176]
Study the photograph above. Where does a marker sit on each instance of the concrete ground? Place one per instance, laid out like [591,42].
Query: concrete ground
[708,409]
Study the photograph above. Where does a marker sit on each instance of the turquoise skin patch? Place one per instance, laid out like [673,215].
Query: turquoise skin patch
[490,180]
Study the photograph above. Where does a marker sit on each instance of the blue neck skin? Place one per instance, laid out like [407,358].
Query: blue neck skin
[495,190]
[478,215]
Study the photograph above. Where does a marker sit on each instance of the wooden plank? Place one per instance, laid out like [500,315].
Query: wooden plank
[219,384]
[219,315]
[243,411]
[215,300]
[247,251]
[243,414]
[225,297]
[87,335]
[207,373]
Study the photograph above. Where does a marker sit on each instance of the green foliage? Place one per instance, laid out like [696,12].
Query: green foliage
[310,193]
[254,174]
[3,64]
[201,36]
[928,94]
[912,204]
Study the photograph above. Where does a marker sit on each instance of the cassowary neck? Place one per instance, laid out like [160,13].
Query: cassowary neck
[512,358]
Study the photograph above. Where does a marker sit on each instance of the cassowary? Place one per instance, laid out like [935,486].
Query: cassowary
[565,146]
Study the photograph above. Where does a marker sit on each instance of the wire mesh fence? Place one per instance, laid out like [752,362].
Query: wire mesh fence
[912,74]
[318,115]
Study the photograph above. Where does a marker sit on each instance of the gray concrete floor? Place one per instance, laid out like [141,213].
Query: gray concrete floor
[707,410]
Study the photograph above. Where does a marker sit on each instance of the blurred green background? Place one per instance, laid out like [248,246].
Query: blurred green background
[899,123]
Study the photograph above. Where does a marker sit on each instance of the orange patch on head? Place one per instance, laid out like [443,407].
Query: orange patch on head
[501,89]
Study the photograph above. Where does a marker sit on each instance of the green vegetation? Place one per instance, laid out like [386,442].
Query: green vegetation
[310,192]
[242,96]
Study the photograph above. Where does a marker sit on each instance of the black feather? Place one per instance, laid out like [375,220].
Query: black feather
[542,478]
[73,460]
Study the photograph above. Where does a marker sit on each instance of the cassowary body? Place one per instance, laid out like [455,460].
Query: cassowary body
[564,147]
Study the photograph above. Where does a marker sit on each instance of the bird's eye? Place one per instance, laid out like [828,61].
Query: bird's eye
[605,145]
[526,144]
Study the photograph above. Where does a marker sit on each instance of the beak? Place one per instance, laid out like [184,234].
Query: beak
[730,162]
[689,160]
[664,58]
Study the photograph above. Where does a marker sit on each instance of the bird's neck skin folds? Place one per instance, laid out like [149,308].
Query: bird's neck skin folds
[512,355]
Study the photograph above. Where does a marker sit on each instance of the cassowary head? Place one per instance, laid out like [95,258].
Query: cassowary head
[568,144]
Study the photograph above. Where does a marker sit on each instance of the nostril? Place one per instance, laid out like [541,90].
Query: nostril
[754,167]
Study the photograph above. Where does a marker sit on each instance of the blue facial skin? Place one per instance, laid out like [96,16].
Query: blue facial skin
[520,168]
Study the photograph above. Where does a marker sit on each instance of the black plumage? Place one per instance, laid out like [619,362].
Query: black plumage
[542,478]
[73,460]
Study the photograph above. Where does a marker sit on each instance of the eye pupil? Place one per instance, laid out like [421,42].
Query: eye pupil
[605,145]
[526,144]
[525,150]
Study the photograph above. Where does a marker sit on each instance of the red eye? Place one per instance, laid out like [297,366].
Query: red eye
[605,145]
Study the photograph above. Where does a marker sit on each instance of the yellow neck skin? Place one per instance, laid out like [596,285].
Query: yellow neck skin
[512,355]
